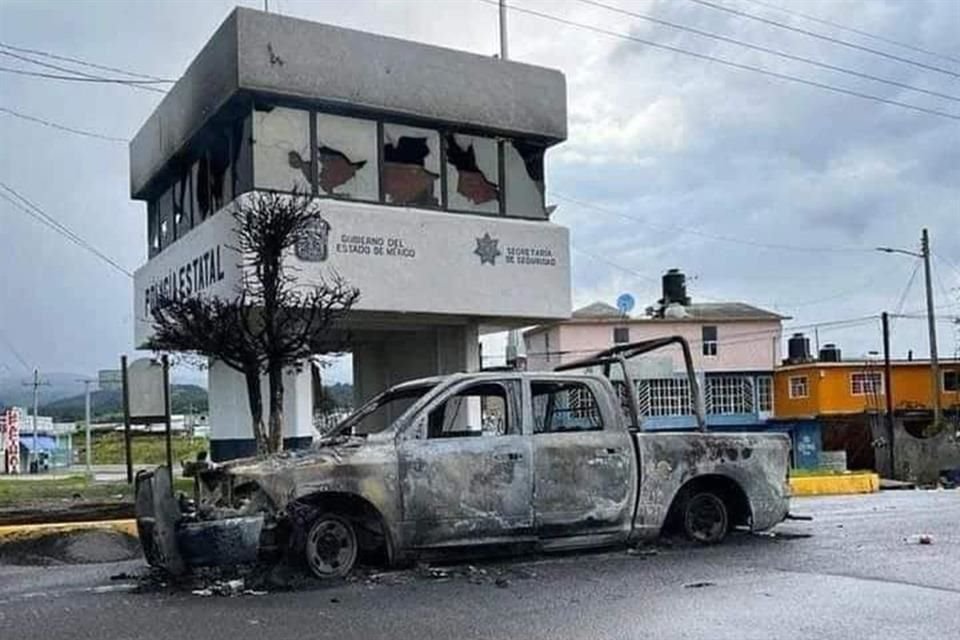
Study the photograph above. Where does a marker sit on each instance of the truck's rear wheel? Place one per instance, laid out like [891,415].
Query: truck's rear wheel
[331,546]
[705,518]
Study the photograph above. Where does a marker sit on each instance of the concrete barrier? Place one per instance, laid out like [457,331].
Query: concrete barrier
[835,484]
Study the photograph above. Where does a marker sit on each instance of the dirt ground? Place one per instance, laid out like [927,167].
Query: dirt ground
[75,547]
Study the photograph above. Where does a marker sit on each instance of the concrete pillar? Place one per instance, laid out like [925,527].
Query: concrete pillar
[229,411]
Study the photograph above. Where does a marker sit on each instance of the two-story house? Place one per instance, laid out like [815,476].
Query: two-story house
[735,347]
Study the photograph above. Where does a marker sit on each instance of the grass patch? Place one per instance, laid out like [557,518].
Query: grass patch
[14,492]
[150,448]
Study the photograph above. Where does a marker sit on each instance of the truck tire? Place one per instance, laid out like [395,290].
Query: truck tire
[705,517]
[330,547]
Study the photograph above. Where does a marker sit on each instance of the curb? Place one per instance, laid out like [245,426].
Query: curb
[15,532]
[846,484]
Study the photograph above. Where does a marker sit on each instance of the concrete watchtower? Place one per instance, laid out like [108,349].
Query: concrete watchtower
[429,166]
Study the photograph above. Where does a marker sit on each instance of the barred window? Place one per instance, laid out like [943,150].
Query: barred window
[799,387]
[866,382]
[667,397]
[764,393]
[728,395]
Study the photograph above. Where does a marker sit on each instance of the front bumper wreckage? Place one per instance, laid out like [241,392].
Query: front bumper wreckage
[176,539]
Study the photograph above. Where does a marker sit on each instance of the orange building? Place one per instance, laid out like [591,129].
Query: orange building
[848,399]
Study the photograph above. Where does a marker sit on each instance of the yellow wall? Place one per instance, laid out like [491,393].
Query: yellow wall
[829,389]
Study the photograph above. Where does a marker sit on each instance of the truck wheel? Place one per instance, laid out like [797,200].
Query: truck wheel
[331,546]
[705,518]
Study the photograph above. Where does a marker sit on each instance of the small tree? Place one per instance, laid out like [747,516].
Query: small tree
[272,324]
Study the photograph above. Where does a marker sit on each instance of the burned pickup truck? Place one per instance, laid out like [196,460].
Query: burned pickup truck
[556,460]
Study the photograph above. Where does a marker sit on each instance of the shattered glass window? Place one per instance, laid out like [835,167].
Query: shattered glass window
[411,166]
[241,156]
[182,212]
[153,230]
[473,173]
[347,153]
[220,180]
[523,175]
[200,176]
[281,150]
[165,217]
[478,410]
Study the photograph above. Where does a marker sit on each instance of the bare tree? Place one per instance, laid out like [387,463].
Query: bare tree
[273,324]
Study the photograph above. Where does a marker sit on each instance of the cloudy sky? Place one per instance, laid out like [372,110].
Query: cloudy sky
[762,190]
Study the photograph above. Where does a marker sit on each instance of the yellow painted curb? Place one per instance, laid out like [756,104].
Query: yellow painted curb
[13,532]
[835,484]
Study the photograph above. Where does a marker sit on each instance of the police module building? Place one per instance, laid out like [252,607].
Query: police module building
[428,169]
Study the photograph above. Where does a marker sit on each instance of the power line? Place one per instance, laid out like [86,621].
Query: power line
[866,34]
[53,76]
[92,65]
[36,212]
[13,350]
[729,63]
[712,236]
[953,265]
[775,52]
[54,125]
[820,36]
[82,74]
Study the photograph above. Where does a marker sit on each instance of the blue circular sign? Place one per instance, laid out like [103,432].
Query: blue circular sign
[625,303]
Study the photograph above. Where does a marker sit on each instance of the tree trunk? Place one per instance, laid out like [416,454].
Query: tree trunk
[275,380]
[255,398]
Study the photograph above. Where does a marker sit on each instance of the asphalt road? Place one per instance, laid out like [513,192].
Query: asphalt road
[856,571]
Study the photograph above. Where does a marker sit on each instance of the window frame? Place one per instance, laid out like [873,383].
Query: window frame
[626,339]
[864,391]
[943,380]
[565,386]
[764,390]
[710,345]
[806,387]
[512,406]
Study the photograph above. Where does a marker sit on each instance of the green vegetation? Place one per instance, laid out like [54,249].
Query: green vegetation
[108,405]
[25,491]
[148,448]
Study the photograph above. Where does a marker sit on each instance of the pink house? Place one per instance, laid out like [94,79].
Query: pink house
[735,348]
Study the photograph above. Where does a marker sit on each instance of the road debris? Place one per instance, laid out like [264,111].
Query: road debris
[699,585]
[920,538]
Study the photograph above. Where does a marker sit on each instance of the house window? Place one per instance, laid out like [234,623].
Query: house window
[728,395]
[799,387]
[473,173]
[621,335]
[347,152]
[564,406]
[664,397]
[951,380]
[866,382]
[764,394]
[709,341]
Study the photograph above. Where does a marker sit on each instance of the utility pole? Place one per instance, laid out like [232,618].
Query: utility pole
[36,384]
[932,328]
[931,319]
[503,29]
[888,389]
[86,391]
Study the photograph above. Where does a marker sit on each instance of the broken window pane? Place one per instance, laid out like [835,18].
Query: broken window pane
[153,230]
[220,182]
[347,153]
[241,160]
[523,175]
[201,190]
[281,150]
[473,173]
[411,165]
[165,217]
[182,218]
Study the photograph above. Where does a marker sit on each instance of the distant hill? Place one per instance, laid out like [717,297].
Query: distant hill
[13,393]
[185,398]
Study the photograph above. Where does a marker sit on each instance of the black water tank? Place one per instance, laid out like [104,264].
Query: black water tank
[675,288]
[798,348]
[830,353]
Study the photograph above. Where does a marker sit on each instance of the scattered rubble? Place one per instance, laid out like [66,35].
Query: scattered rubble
[699,585]
[920,538]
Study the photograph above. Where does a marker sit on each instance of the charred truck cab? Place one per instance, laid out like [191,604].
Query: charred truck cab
[554,459]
